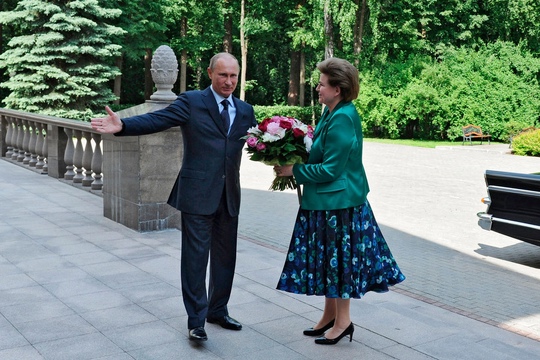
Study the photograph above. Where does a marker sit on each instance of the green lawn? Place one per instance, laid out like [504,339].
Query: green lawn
[419,143]
[412,142]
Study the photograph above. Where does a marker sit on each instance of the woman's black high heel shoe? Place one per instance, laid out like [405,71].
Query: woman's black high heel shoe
[317,332]
[324,341]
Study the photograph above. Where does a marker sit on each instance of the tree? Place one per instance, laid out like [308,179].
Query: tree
[517,21]
[328,30]
[359,29]
[61,63]
[243,49]
[201,35]
[145,31]
[306,32]
[453,23]
[228,25]
[294,78]
[6,33]
[279,42]
[263,25]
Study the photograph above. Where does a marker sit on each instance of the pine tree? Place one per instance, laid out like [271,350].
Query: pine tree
[62,65]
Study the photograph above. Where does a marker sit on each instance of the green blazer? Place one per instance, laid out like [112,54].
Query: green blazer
[334,177]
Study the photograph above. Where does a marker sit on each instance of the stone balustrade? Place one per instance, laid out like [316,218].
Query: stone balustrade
[62,148]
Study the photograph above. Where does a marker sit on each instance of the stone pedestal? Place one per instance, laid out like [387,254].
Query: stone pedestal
[140,172]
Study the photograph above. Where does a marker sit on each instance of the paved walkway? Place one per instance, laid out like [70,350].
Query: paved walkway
[75,285]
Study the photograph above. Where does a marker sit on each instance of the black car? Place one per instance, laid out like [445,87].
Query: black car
[513,205]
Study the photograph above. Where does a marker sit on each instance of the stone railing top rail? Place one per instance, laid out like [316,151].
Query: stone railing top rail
[60,122]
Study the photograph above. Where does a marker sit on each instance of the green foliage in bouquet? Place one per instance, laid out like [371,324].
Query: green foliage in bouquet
[288,150]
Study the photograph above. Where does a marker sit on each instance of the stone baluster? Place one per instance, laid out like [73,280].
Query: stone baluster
[44,151]
[26,143]
[78,158]
[14,135]
[18,144]
[87,160]
[68,155]
[9,136]
[97,160]
[32,145]
[39,146]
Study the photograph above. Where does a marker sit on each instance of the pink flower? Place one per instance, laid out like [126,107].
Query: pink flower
[252,141]
[261,146]
[273,128]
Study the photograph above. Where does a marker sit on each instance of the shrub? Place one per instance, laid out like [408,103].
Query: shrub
[496,87]
[527,143]
[380,89]
[307,114]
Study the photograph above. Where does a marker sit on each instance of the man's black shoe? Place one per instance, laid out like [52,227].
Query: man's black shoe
[198,334]
[225,322]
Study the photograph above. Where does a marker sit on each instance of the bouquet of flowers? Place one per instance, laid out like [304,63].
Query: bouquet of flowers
[280,140]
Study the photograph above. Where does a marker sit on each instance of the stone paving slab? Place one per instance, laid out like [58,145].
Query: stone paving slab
[75,285]
[426,201]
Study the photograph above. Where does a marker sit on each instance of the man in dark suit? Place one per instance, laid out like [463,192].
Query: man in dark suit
[207,190]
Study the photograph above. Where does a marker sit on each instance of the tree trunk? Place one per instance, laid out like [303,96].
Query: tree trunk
[302,95]
[301,65]
[118,79]
[294,79]
[244,51]
[359,30]
[183,56]
[328,31]
[199,72]
[148,82]
[228,25]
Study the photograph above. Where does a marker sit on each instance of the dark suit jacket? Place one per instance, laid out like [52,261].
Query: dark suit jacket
[211,159]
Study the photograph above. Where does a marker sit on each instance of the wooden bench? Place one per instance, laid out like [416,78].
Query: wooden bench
[471,132]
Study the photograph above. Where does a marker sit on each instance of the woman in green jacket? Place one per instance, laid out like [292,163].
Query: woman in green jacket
[337,249]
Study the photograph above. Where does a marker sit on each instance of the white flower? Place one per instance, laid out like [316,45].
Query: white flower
[308,142]
[254,130]
[267,138]
[300,125]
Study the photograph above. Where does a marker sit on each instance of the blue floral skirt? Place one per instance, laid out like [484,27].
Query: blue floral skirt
[338,254]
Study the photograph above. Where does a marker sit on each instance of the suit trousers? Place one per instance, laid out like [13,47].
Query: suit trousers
[208,236]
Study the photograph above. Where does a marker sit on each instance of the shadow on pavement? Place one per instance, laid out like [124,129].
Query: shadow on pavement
[522,253]
[438,274]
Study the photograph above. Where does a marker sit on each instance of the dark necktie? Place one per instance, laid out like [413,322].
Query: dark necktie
[225,114]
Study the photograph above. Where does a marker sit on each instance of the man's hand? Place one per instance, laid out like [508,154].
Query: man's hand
[110,124]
